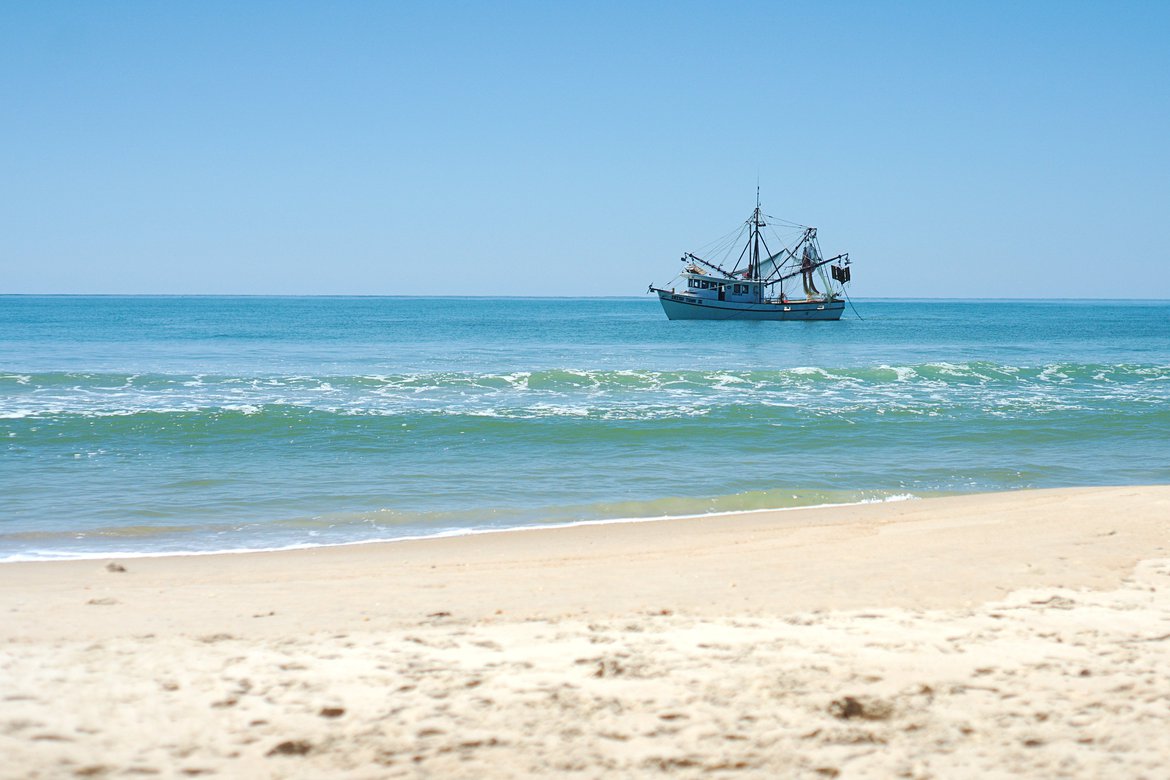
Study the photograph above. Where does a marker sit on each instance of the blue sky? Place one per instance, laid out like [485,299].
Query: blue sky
[955,149]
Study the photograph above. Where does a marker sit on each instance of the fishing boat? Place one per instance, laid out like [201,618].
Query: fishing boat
[761,284]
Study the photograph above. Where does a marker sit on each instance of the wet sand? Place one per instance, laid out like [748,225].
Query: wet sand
[987,635]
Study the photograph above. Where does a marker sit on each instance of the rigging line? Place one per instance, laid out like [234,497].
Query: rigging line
[793,237]
[766,249]
[850,300]
[729,246]
[726,235]
[723,249]
[719,248]
[782,219]
[733,235]
[787,223]
[739,260]
[780,236]
[787,228]
[670,281]
[793,241]
[721,260]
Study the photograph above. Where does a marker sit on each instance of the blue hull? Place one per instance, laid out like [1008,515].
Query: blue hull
[688,307]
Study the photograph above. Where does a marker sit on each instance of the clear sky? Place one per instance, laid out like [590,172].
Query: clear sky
[548,148]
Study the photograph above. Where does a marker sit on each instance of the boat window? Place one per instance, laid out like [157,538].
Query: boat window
[704,284]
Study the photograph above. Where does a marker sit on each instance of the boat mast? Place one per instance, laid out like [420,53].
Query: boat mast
[756,242]
[756,234]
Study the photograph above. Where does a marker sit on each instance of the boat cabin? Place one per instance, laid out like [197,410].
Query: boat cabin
[720,289]
[717,288]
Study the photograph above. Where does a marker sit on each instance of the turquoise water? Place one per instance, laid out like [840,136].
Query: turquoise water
[189,424]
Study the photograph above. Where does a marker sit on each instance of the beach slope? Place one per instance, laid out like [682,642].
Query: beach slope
[985,635]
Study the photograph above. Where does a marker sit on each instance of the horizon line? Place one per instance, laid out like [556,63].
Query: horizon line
[432,296]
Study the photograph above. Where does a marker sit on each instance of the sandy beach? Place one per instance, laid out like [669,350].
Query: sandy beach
[992,635]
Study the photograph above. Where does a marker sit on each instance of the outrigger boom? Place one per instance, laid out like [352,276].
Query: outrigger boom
[688,256]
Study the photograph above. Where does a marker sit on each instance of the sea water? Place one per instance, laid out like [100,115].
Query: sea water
[146,425]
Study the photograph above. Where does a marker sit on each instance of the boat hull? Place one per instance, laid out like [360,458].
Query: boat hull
[685,307]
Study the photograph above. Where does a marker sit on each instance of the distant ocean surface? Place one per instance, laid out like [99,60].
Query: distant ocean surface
[144,425]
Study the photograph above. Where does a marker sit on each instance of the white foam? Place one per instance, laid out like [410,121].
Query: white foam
[49,555]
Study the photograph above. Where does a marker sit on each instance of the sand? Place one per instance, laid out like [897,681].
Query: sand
[994,635]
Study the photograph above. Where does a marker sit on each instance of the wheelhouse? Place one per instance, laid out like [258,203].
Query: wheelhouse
[720,289]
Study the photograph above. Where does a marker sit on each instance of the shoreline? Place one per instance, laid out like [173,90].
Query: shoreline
[937,552]
[456,533]
[1009,634]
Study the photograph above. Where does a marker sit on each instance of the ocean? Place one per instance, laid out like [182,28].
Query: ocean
[147,425]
